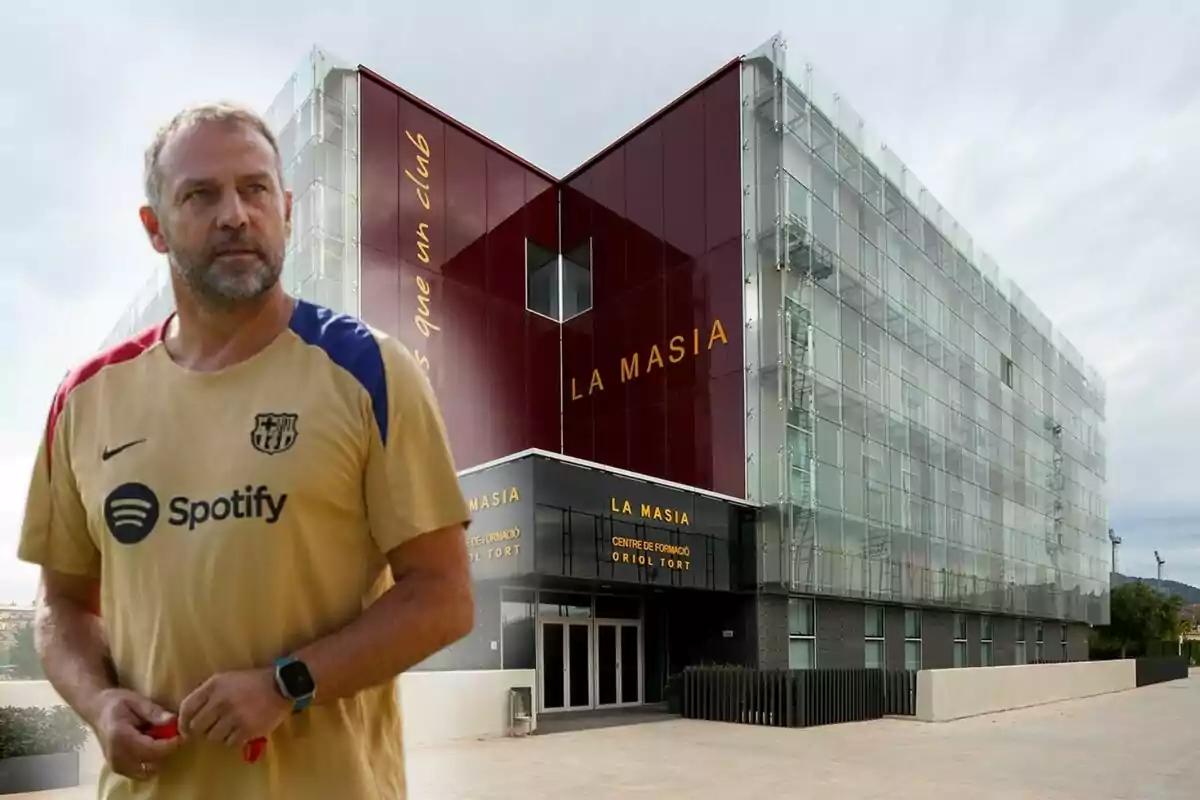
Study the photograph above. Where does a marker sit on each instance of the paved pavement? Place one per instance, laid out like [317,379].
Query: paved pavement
[1137,745]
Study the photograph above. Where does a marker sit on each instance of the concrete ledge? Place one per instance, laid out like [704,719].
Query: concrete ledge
[947,694]
[437,707]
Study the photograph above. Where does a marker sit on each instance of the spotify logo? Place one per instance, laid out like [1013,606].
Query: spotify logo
[131,511]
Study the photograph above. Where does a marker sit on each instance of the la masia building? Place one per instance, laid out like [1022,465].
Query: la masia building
[735,390]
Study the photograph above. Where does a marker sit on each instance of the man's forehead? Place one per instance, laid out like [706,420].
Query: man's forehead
[205,148]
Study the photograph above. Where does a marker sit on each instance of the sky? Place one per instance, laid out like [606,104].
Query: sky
[1062,135]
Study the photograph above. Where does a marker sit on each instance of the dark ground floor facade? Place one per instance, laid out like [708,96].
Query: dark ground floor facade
[607,584]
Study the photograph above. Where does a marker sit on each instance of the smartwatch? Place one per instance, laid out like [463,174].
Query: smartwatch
[295,682]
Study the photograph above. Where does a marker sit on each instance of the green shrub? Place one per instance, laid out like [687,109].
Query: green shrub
[39,731]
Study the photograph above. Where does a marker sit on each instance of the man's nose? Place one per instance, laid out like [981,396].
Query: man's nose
[231,213]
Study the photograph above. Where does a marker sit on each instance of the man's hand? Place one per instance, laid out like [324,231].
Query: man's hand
[234,707]
[120,722]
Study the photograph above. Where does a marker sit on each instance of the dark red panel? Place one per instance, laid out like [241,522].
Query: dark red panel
[466,208]
[728,455]
[506,236]
[541,212]
[683,181]
[644,204]
[543,339]
[380,290]
[722,160]
[380,168]
[578,404]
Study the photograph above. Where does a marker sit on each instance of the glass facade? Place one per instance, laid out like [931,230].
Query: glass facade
[918,429]
[316,119]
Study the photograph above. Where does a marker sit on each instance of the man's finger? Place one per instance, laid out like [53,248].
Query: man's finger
[205,717]
[191,705]
[149,711]
[140,747]
[224,728]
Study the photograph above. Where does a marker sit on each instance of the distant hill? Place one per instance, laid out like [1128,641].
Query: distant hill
[1189,593]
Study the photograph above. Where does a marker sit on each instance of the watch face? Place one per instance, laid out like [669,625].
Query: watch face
[296,679]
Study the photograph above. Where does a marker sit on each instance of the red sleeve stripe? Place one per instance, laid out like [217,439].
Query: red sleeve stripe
[118,354]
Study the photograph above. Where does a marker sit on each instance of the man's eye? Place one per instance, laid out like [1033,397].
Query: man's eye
[257,187]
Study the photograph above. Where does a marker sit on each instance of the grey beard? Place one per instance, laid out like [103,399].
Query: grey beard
[221,292]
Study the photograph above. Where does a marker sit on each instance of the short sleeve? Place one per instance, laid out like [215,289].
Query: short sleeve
[411,484]
[54,533]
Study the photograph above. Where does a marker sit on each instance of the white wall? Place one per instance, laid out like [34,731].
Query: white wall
[945,694]
[445,706]
[437,707]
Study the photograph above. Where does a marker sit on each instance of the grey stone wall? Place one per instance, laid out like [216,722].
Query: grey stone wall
[840,629]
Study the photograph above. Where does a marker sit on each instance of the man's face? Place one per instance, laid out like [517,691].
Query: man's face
[223,217]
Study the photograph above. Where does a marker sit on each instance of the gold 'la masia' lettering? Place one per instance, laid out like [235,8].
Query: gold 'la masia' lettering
[633,366]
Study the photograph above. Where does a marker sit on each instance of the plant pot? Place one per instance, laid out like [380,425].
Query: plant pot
[38,773]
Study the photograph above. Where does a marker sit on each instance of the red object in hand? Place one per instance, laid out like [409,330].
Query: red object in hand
[252,750]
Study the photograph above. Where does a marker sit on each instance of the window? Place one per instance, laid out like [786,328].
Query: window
[541,280]
[1006,370]
[1039,635]
[912,638]
[558,286]
[517,620]
[1064,642]
[576,280]
[986,656]
[876,651]
[1019,657]
[802,628]
[960,641]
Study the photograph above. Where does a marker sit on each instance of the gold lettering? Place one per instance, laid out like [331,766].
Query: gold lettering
[496,545]
[677,351]
[423,319]
[419,142]
[422,190]
[630,366]
[718,332]
[423,242]
[629,370]
[492,499]
[670,556]
[655,358]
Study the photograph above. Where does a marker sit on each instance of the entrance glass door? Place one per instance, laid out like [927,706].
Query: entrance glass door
[566,663]
[618,663]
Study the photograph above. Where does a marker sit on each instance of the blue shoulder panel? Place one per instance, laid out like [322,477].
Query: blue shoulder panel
[350,344]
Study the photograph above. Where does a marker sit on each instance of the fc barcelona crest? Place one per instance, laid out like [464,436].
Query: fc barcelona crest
[274,433]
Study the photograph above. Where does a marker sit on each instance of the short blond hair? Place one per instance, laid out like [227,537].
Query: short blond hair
[205,112]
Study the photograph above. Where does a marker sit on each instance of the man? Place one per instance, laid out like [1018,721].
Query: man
[247,518]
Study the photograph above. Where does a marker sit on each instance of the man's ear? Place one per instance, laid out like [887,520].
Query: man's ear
[287,213]
[153,228]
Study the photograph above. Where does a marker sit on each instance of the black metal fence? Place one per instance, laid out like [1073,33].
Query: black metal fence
[797,698]
[1159,669]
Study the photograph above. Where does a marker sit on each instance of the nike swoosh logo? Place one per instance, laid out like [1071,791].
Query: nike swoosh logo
[110,452]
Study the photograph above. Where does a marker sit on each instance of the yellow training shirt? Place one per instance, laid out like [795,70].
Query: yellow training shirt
[234,517]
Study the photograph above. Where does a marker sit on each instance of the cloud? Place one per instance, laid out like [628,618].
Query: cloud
[1074,167]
